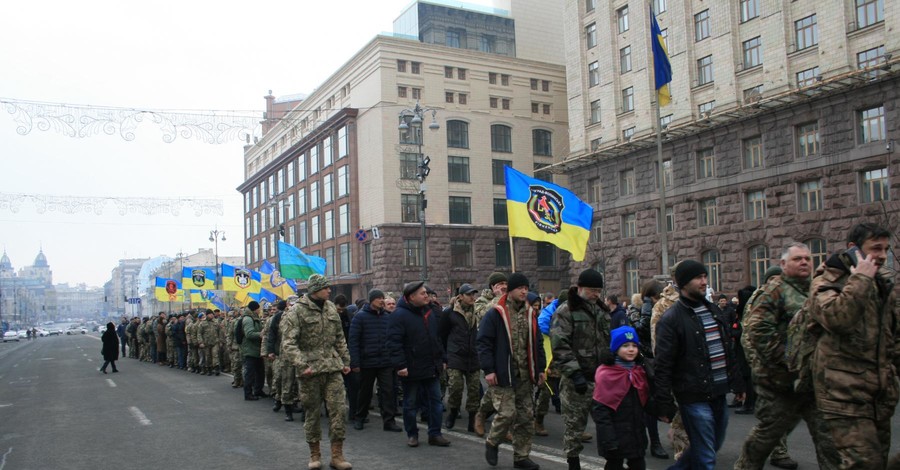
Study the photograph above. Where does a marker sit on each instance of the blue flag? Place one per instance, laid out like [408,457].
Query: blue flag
[298,265]
[662,69]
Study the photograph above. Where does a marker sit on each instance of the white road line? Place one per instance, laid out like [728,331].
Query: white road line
[542,455]
[138,415]
[176,401]
[4,405]
[3,461]
[111,383]
[85,355]
[90,360]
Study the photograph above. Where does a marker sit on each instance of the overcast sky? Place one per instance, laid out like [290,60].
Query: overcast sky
[200,55]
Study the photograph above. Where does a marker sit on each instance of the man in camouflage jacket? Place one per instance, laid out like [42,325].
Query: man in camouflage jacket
[208,333]
[489,297]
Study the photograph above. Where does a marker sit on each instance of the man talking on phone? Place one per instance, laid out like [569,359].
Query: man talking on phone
[856,356]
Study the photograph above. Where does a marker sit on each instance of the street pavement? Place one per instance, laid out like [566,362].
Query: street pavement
[58,411]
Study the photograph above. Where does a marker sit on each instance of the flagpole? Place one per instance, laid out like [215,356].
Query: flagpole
[512,252]
[663,239]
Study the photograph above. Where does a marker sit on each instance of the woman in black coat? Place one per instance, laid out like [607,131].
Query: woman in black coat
[110,349]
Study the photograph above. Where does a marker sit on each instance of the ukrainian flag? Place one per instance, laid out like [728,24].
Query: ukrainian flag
[198,278]
[543,211]
[662,69]
[168,290]
[272,281]
[240,279]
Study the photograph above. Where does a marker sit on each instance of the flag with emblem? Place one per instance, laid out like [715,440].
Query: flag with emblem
[198,278]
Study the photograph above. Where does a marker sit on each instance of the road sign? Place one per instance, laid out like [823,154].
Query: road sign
[376,234]
[361,235]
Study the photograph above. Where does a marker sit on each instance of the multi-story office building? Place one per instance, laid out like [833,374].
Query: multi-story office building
[780,129]
[27,297]
[338,176]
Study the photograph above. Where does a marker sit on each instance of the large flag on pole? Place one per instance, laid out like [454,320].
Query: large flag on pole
[662,69]
[273,281]
[298,265]
[543,211]
[236,279]
[168,290]
[198,278]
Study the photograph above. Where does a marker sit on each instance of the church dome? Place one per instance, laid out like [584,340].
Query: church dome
[41,261]
[5,263]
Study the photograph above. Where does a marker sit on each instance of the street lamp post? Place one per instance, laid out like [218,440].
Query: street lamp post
[412,119]
[214,236]
[274,201]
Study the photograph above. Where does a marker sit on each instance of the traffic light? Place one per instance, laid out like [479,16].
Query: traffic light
[424,170]
[281,230]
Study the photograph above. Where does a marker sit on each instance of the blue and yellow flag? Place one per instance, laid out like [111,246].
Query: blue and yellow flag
[272,281]
[198,278]
[545,212]
[662,69]
[240,279]
[202,297]
[168,290]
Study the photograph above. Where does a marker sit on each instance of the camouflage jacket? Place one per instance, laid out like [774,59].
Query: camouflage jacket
[668,298]
[770,309]
[191,332]
[854,365]
[263,347]
[229,334]
[145,332]
[578,335]
[169,331]
[484,303]
[208,333]
[312,337]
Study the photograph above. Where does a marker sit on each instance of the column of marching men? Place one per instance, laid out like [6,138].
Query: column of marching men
[507,354]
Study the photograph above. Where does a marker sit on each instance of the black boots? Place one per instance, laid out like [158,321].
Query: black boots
[277,407]
[491,453]
[471,427]
[288,412]
[574,463]
[451,418]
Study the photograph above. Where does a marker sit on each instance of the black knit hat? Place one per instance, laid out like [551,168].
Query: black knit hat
[590,278]
[687,270]
[516,280]
[253,305]
[496,277]
[375,294]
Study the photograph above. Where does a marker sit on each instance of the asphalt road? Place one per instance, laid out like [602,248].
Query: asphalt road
[58,411]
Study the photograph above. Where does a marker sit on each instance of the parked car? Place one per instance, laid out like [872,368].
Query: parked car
[43,332]
[76,330]
[11,335]
[54,332]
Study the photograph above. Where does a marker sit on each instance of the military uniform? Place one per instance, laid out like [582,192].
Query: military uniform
[483,303]
[193,345]
[208,336]
[234,349]
[170,343]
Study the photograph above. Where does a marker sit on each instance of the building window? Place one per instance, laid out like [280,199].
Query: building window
[542,142]
[494,102]
[628,99]
[753,153]
[346,266]
[534,82]
[664,121]
[595,191]
[749,10]
[807,77]
[594,73]
[546,108]
[329,225]
[458,134]
[409,165]
[454,38]
[544,175]
[869,12]
[597,231]
[327,188]
[713,267]
[505,102]
[545,85]
[807,32]
[752,52]
[458,169]
[546,254]
[502,256]
[871,124]
[501,217]
[629,225]
[409,208]
[314,159]
[401,92]
[344,219]
[759,263]
[667,173]
[343,142]
[343,181]
[665,37]
[817,247]
[707,212]
[301,167]
[314,229]
[401,65]
[632,277]
[501,138]
[460,253]
[627,133]
[590,35]
[504,79]
[460,210]
[448,96]
[874,185]
[871,58]
[755,208]
[670,220]
[808,139]
[463,98]
[595,111]
[367,256]
[302,240]
[498,174]
[412,252]
[810,193]
[492,78]
[706,164]
[416,93]
[448,72]
[622,16]
[589,5]
[625,59]
[626,182]
[706,108]
[314,195]
[705,70]
[301,201]
[487,43]
[327,152]
[291,179]
[659,6]
[701,25]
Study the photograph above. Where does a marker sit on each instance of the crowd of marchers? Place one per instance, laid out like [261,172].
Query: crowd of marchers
[818,344]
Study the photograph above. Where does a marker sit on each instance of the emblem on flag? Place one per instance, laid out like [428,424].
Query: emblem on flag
[242,278]
[545,208]
[198,277]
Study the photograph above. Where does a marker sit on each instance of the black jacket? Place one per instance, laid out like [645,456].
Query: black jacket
[681,364]
[495,347]
[110,349]
[178,333]
[413,342]
[273,340]
[459,340]
[368,337]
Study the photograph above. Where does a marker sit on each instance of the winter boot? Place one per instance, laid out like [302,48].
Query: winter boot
[471,427]
[451,418]
[479,424]
[217,372]
[539,429]
[337,456]
[277,407]
[315,456]
[574,463]
[288,413]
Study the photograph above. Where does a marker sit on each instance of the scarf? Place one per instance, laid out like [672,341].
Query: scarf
[614,382]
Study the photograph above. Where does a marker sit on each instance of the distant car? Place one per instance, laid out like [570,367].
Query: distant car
[54,332]
[23,334]
[10,335]
[76,330]
[42,332]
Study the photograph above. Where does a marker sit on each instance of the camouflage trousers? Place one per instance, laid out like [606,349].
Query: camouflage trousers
[145,351]
[237,367]
[486,407]
[224,357]
[515,412]
[576,408]
[286,381]
[269,373]
[193,356]
[170,346]
[542,401]
[779,412]
[678,436]
[209,357]
[132,348]
[858,442]
[460,380]
[328,389]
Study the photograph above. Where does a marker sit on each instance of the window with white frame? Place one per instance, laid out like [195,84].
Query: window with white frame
[871,124]
[755,205]
[809,196]
[628,100]
[622,17]
[629,225]
[806,32]
[753,153]
[704,70]
[625,59]
[590,35]
[707,212]
[626,182]
[701,25]
[713,265]
[808,139]
[874,185]
[759,263]
[752,52]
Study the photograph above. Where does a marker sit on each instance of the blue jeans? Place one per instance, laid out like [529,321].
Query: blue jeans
[705,423]
[411,405]
[182,359]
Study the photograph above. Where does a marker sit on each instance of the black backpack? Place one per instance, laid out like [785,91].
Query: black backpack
[239,331]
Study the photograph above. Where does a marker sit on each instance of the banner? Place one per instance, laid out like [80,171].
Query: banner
[168,290]
[237,279]
[198,278]
[298,265]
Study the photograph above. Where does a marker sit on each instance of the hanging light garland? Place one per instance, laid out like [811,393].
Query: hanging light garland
[97,205]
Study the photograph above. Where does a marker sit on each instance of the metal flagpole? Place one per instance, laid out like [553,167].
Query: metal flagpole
[663,239]
[512,252]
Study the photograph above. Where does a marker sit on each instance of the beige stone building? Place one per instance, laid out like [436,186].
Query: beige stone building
[338,164]
[781,129]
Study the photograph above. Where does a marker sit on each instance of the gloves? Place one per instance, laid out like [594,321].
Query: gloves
[580,382]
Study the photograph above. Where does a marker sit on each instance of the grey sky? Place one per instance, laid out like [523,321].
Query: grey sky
[195,55]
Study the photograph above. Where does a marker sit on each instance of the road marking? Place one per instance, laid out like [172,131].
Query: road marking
[111,383]
[554,457]
[138,415]
[176,401]
[3,461]
[46,359]
[5,405]
[85,354]
[90,360]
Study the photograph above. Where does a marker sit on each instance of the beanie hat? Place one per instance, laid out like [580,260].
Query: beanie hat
[773,271]
[687,270]
[411,287]
[253,305]
[515,281]
[622,335]
[316,283]
[495,278]
[375,294]
[590,278]
[282,304]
